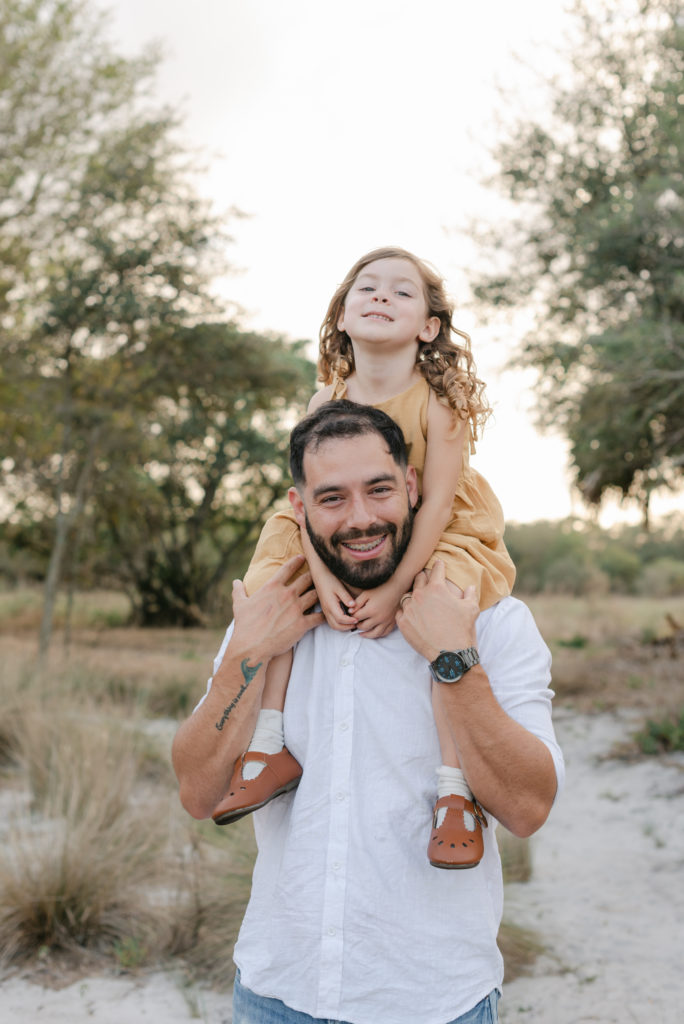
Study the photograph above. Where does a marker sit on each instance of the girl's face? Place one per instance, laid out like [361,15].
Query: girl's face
[386,303]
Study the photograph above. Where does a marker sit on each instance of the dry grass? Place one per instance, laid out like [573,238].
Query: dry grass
[78,855]
[603,654]
[516,860]
[520,948]
[218,872]
[96,857]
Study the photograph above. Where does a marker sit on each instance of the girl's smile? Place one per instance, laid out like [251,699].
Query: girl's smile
[389,292]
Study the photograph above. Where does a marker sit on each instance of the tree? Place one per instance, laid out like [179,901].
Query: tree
[105,295]
[213,460]
[597,248]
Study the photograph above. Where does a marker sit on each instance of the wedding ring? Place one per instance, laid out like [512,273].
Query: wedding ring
[404,598]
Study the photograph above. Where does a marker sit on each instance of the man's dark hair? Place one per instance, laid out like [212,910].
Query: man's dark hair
[343,419]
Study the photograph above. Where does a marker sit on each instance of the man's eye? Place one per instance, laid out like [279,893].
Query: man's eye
[381,490]
[330,499]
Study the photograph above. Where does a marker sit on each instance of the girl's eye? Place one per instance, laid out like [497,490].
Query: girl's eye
[406,295]
[365,288]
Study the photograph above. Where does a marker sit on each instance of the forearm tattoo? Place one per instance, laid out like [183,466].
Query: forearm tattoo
[248,674]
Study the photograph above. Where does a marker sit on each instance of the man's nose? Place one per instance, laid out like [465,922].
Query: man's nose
[360,514]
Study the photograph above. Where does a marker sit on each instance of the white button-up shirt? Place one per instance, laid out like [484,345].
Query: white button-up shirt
[347,919]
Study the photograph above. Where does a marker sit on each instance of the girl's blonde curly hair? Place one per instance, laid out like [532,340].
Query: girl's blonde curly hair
[448,367]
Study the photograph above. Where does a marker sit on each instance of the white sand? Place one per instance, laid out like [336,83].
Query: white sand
[607,890]
[606,899]
[156,999]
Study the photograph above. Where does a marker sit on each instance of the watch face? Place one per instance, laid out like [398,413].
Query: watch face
[449,666]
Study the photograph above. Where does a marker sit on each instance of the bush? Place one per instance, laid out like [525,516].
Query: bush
[570,575]
[663,578]
[661,736]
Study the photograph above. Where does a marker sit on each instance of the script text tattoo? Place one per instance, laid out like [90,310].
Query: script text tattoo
[248,674]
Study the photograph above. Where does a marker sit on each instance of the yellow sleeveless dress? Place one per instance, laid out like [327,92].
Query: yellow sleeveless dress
[471,545]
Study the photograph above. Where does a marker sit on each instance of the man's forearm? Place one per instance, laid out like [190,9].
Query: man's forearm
[509,770]
[267,624]
[210,741]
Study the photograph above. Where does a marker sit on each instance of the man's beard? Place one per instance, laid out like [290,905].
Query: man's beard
[372,572]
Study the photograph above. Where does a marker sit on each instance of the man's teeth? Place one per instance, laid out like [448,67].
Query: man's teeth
[368,546]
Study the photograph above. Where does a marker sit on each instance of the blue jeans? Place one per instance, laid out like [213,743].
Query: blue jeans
[249,1008]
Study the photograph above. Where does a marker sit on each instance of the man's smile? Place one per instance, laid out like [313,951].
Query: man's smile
[368,547]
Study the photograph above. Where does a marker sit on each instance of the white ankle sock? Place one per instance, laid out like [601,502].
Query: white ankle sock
[268,738]
[450,780]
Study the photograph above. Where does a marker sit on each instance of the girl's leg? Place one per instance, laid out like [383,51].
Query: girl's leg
[446,740]
[269,736]
[277,678]
[267,768]
[456,837]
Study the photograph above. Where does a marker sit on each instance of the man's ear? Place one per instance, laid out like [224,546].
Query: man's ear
[412,486]
[297,505]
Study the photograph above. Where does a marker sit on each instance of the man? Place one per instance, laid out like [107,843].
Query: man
[347,920]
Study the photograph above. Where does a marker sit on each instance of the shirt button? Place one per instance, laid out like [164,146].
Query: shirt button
[331,931]
[344,662]
[340,797]
[344,726]
[336,866]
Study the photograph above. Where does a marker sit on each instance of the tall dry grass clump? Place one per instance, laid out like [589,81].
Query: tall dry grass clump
[83,849]
[97,858]
[78,883]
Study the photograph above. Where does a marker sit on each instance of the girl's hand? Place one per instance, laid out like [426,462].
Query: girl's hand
[376,610]
[332,595]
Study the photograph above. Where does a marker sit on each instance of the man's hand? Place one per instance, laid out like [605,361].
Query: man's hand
[434,617]
[273,619]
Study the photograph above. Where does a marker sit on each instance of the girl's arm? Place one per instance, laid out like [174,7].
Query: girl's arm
[332,594]
[319,398]
[375,609]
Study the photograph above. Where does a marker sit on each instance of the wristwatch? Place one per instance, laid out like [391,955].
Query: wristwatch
[450,666]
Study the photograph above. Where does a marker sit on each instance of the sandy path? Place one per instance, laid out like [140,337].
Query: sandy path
[109,1000]
[606,898]
[607,890]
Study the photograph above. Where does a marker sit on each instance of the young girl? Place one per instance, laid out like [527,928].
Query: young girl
[387,340]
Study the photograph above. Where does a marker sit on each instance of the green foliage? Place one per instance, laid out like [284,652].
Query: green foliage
[661,736]
[663,577]
[597,249]
[574,557]
[577,642]
[145,432]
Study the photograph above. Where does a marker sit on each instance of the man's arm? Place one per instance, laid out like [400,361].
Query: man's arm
[208,743]
[509,770]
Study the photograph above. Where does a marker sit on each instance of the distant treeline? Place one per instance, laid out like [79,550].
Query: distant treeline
[573,557]
[569,556]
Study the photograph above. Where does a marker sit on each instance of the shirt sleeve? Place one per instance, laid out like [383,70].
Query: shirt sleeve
[518,665]
[217,661]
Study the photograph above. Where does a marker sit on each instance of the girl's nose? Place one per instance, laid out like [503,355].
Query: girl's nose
[379,298]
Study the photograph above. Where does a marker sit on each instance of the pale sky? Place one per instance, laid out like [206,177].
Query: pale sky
[338,127]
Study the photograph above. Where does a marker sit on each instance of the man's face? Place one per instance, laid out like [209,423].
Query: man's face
[357,507]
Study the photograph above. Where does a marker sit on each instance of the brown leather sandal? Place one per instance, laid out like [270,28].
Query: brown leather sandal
[458,842]
[281,774]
